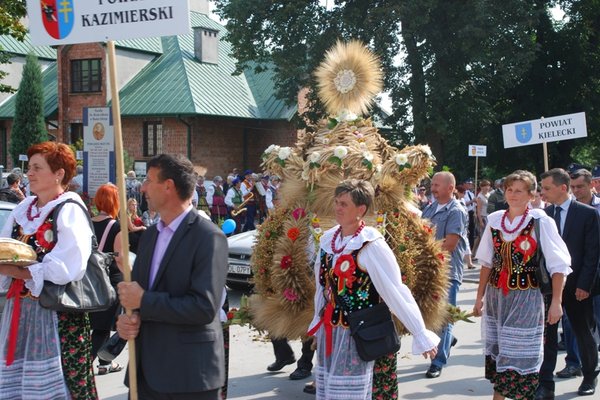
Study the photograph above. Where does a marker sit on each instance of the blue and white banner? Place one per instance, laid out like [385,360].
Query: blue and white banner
[551,129]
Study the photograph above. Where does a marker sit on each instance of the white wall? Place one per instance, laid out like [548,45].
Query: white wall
[129,64]
[15,70]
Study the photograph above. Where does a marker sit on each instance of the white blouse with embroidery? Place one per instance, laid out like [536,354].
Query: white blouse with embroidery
[554,248]
[383,269]
[67,261]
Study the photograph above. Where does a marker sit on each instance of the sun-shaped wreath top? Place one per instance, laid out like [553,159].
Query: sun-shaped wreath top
[349,78]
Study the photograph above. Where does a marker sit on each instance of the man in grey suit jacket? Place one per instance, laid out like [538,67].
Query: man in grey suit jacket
[177,284]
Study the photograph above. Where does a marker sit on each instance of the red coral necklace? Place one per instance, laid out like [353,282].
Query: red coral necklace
[519,225]
[34,202]
[338,232]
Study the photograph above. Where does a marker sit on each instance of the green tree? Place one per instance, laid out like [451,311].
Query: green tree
[28,125]
[11,11]
[456,71]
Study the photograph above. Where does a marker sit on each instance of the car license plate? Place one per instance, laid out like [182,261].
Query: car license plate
[239,269]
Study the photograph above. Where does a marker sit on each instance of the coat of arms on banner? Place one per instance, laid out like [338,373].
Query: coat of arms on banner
[524,132]
[58,17]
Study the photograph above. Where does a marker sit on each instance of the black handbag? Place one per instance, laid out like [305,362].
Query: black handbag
[374,332]
[93,292]
[112,348]
[541,272]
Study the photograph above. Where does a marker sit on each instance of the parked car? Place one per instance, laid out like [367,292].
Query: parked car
[239,275]
[5,209]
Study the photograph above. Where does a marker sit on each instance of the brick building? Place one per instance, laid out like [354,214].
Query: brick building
[177,94]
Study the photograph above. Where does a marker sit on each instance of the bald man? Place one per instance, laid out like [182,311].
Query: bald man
[451,221]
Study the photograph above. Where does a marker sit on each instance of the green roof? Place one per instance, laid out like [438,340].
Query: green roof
[176,83]
[11,45]
[50,87]
[147,45]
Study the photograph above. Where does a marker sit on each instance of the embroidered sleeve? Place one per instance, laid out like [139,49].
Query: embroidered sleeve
[384,272]
[319,300]
[67,261]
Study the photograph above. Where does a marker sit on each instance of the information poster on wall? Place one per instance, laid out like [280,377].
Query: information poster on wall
[98,149]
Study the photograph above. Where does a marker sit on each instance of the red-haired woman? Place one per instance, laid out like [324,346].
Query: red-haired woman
[45,354]
[108,232]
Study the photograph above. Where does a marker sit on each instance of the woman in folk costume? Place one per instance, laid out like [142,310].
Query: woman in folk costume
[46,354]
[358,265]
[508,296]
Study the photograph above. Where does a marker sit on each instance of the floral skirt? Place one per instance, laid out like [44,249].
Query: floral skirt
[385,380]
[510,383]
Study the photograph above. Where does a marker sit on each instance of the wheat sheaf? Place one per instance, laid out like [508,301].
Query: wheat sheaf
[349,78]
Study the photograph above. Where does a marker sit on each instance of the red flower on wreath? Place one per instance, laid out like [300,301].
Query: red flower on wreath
[290,294]
[286,262]
[231,313]
[525,245]
[344,269]
[298,213]
[45,236]
[293,233]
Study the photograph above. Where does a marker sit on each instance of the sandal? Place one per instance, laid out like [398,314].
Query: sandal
[113,367]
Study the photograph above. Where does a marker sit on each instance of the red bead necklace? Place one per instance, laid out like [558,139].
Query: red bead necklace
[338,232]
[34,202]
[519,225]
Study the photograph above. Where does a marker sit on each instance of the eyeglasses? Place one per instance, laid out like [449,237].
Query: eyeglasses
[421,190]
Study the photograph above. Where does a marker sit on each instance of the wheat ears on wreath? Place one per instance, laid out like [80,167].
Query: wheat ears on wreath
[349,78]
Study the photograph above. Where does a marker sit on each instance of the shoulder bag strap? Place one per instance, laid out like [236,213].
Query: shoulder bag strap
[55,215]
[536,227]
[105,234]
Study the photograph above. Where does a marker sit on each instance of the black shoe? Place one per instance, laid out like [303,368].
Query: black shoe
[544,394]
[434,371]
[300,373]
[454,341]
[278,364]
[310,388]
[587,388]
[569,372]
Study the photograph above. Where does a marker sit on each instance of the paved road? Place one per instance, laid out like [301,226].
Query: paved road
[251,353]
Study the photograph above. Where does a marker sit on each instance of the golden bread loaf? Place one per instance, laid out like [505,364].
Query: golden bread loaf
[14,250]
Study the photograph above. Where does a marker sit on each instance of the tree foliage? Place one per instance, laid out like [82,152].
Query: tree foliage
[11,11]
[28,125]
[456,70]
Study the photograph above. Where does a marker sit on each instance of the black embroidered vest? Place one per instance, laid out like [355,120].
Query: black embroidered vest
[360,295]
[520,269]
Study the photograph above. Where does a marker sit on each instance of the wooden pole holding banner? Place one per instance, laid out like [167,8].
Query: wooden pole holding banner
[545,147]
[476,171]
[116,112]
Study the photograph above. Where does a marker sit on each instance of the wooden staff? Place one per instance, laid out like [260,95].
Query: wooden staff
[116,111]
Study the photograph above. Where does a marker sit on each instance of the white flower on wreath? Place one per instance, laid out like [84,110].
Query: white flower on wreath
[340,152]
[401,159]
[345,80]
[272,148]
[346,115]
[368,156]
[378,168]
[363,146]
[304,175]
[314,157]
[427,151]
[284,153]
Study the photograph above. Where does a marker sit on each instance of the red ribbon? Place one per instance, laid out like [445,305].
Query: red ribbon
[16,287]
[503,281]
[326,320]
[344,270]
